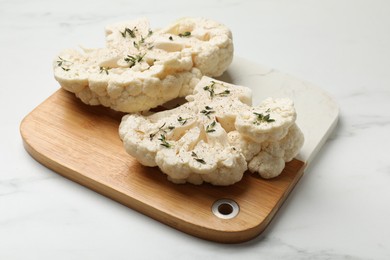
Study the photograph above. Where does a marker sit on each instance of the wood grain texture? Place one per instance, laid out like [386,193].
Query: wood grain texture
[82,143]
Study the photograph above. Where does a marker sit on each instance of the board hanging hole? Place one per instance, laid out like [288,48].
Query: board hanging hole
[225,208]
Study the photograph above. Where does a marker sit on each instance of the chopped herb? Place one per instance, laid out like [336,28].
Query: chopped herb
[207,111]
[104,69]
[196,158]
[161,128]
[185,34]
[182,121]
[170,38]
[210,127]
[260,118]
[210,89]
[136,45]
[132,60]
[164,142]
[60,61]
[223,93]
[200,160]
[129,32]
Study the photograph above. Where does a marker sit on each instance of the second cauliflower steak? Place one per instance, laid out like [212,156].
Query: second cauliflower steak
[216,136]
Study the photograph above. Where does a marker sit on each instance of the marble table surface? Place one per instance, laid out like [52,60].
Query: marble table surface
[339,210]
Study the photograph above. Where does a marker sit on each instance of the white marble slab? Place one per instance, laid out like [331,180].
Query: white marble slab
[340,208]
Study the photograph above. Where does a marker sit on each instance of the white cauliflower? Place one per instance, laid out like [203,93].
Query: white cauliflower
[216,136]
[268,158]
[269,121]
[140,69]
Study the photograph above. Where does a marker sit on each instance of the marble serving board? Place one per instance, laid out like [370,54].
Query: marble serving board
[81,143]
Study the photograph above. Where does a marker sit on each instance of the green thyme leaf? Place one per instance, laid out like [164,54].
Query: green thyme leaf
[60,61]
[64,64]
[129,32]
[200,160]
[183,121]
[210,89]
[132,60]
[260,118]
[162,126]
[185,34]
[207,111]
[104,69]
[210,127]
[196,158]
[164,142]
[161,129]
[223,93]
[136,45]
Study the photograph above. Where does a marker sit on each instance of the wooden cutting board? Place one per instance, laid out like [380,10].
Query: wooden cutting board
[82,143]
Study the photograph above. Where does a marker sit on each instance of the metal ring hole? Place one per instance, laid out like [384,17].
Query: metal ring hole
[225,208]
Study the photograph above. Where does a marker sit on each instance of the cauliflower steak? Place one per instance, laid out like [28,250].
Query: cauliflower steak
[216,136]
[141,68]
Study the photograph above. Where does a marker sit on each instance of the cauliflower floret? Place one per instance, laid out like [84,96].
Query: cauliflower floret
[266,165]
[269,121]
[210,44]
[216,136]
[141,69]
[270,161]
[246,146]
[139,146]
